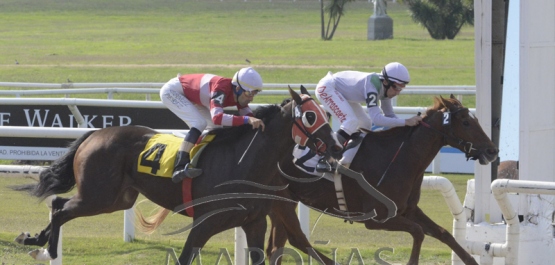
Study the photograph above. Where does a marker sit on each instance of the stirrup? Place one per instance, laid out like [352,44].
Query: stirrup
[186,172]
[323,166]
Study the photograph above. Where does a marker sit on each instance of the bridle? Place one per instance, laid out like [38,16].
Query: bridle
[466,145]
[303,131]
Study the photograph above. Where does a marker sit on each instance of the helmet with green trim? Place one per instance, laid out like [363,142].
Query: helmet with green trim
[395,72]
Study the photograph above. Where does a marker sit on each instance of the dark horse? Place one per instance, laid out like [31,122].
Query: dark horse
[103,167]
[398,158]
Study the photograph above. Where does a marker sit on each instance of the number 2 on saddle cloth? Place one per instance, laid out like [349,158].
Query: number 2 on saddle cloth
[306,160]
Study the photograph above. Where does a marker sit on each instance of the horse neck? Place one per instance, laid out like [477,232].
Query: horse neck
[426,142]
[278,136]
[414,147]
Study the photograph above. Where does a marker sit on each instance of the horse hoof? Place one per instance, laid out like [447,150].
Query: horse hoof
[40,254]
[21,238]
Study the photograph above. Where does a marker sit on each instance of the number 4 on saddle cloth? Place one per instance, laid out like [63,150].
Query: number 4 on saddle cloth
[306,160]
[159,155]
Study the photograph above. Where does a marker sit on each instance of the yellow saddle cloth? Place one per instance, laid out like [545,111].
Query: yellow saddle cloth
[158,157]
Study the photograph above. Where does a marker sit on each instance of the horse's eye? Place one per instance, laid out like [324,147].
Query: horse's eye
[466,123]
[309,118]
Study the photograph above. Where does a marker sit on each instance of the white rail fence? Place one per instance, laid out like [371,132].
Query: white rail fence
[154,88]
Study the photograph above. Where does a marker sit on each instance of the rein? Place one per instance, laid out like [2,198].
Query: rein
[296,113]
[467,146]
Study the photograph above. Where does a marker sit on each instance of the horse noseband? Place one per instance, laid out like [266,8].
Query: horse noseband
[304,131]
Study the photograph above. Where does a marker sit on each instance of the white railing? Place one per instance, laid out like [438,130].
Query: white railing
[154,88]
[135,104]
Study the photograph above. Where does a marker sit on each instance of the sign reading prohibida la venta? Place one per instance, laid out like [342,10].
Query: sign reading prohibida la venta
[22,148]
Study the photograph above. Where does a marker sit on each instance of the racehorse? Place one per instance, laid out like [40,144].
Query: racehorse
[235,188]
[391,162]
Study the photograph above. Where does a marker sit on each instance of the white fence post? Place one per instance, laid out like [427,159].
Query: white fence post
[129,225]
[240,246]
[304,219]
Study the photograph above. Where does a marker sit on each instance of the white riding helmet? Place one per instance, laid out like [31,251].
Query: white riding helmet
[396,72]
[248,79]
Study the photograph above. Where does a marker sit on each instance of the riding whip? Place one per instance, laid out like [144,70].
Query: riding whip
[248,147]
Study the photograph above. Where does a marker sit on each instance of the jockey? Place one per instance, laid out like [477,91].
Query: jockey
[342,93]
[199,100]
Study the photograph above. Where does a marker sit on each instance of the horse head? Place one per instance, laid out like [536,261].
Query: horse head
[462,130]
[311,125]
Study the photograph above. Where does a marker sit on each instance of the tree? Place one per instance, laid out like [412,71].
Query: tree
[442,18]
[335,11]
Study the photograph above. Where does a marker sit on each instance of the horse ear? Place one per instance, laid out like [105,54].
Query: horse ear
[295,96]
[443,102]
[455,100]
[448,103]
[304,90]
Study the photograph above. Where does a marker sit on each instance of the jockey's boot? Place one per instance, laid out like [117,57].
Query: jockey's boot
[183,169]
[324,166]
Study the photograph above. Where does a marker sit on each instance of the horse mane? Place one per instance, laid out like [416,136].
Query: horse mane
[231,134]
[438,104]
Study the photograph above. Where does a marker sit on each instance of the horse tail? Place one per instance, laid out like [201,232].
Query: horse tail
[150,224]
[59,177]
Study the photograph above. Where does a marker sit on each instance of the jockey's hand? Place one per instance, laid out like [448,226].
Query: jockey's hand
[413,121]
[256,123]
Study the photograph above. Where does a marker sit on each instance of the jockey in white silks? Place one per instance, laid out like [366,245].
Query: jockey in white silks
[342,94]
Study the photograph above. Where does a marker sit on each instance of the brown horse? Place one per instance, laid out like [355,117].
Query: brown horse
[234,190]
[393,162]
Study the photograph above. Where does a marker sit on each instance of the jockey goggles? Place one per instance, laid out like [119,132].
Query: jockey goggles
[248,93]
[396,86]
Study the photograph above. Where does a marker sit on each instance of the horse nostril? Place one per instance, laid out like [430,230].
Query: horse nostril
[492,151]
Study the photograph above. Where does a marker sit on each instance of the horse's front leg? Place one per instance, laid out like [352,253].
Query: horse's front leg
[400,223]
[434,230]
[286,223]
[203,229]
[255,231]
[276,239]
[191,250]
